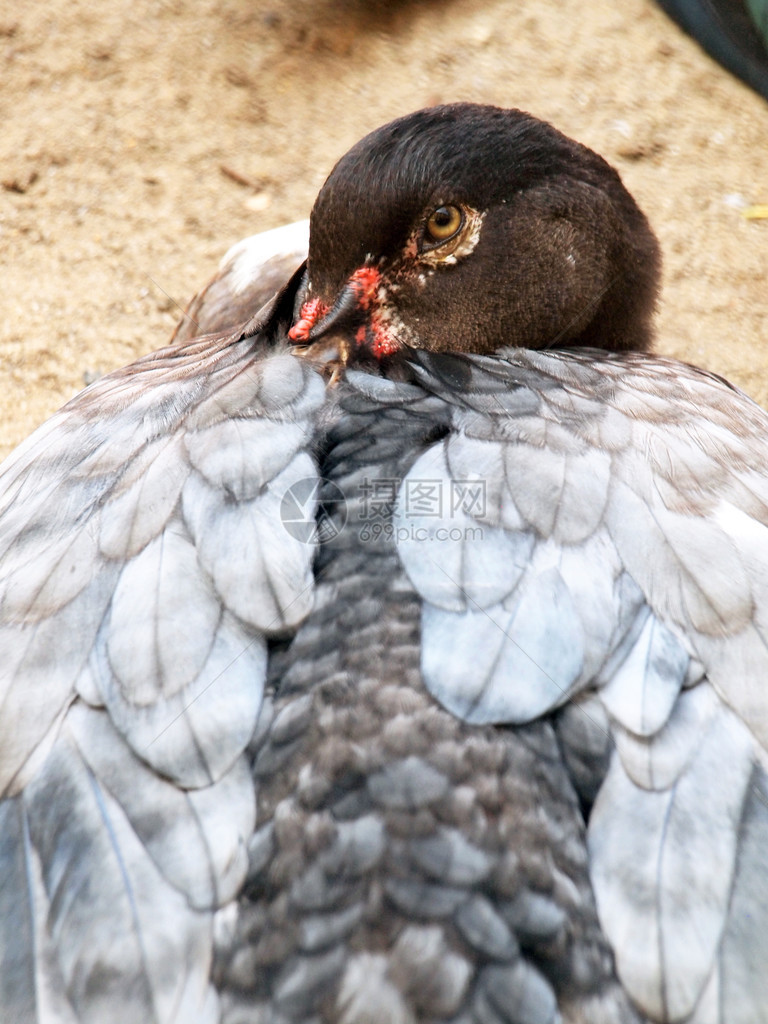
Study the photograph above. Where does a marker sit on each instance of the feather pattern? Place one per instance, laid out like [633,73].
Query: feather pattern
[524,609]
[650,589]
[133,671]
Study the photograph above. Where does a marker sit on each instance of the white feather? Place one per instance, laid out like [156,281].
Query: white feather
[245,259]
[144,499]
[642,690]
[495,665]
[662,865]
[260,571]
[240,456]
[453,560]
[194,735]
[196,838]
[109,914]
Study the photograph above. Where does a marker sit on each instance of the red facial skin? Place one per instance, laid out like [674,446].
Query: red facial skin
[364,284]
[311,312]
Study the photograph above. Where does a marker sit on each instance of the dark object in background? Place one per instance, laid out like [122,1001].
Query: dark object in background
[733,32]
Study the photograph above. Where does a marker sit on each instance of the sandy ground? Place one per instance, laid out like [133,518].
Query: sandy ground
[121,122]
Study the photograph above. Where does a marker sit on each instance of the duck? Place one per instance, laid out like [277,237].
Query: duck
[397,652]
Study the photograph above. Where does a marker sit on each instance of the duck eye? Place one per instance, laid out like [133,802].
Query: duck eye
[442,224]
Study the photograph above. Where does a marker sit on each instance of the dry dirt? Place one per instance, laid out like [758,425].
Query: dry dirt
[121,120]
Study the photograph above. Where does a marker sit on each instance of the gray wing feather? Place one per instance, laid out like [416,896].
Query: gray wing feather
[634,491]
[133,661]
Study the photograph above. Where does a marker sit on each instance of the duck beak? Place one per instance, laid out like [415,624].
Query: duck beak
[356,313]
[352,307]
[317,319]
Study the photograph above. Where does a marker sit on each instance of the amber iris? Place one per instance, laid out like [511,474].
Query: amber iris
[442,224]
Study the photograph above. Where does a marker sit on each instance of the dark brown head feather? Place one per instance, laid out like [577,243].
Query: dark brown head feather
[564,256]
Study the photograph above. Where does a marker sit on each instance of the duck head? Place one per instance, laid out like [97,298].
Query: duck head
[468,227]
